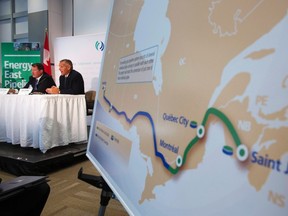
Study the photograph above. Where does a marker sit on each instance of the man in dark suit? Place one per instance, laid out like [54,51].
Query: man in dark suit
[71,81]
[39,80]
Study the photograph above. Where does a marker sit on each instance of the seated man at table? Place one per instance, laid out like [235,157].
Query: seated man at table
[71,81]
[39,81]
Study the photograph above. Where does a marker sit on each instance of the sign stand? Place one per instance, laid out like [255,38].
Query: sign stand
[98,182]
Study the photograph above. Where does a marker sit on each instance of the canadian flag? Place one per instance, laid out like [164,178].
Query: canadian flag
[46,56]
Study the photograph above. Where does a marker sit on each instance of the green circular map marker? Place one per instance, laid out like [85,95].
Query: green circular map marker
[242,152]
[179,161]
[200,131]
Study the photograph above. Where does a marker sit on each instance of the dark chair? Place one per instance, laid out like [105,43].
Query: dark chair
[90,99]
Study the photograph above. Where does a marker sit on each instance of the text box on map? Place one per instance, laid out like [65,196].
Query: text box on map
[138,67]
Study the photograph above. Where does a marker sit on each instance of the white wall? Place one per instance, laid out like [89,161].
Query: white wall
[92,19]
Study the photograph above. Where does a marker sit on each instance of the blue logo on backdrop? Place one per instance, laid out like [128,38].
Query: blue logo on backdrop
[99,45]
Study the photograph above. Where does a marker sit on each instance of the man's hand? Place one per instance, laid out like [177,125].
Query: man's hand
[53,90]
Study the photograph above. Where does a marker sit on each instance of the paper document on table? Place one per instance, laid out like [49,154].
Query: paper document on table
[4,91]
[25,91]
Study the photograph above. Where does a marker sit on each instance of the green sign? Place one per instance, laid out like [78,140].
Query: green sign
[17,59]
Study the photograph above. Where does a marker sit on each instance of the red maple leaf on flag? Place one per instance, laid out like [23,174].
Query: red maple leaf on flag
[46,56]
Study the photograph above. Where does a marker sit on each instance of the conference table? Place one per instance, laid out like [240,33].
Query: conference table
[42,121]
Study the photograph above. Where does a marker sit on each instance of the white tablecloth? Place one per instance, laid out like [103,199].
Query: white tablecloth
[42,121]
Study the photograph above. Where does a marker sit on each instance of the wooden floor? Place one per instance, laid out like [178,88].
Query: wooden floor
[70,196]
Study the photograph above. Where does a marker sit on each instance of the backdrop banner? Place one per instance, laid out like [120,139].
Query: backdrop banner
[17,59]
[85,51]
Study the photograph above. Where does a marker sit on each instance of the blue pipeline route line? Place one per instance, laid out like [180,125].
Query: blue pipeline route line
[148,116]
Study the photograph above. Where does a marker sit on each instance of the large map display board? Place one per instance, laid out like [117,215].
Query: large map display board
[192,109]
